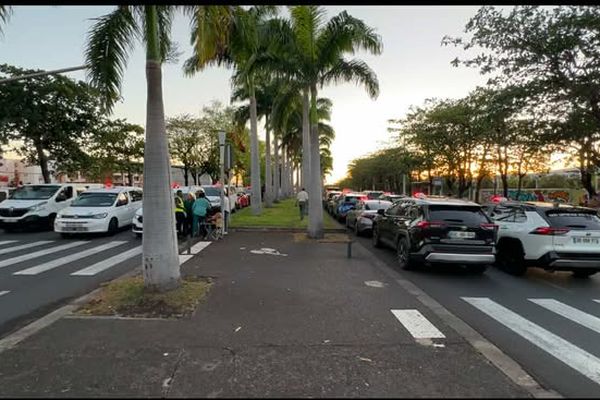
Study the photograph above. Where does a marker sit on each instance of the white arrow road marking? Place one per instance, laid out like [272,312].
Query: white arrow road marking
[109,262]
[575,357]
[575,315]
[67,259]
[24,246]
[3,242]
[40,253]
[3,292]
[417,324]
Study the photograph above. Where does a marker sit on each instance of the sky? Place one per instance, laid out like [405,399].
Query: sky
[414,66]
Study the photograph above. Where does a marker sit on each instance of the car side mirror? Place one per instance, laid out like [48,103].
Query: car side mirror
[381,211]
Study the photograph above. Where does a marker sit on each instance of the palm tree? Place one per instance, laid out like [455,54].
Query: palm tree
[315,57]
[5,12]
[109,43]
[246,40]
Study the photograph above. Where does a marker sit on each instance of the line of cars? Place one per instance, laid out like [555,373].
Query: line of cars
[70,208]
[513,235]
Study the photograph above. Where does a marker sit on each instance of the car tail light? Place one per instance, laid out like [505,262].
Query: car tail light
[547,230]
[489,227]
[430,224]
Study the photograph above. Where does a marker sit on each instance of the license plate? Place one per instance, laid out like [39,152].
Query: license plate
[75,229]
[586,240]
[461,235]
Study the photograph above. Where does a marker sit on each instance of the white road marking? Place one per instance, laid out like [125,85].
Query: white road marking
[40,253]
[575,315]
[184,257]
[198,247]
[597,300]
[3,292]
[109,262]
[3,242]
[575,357]
[417,324]
[24,246]
[67,259]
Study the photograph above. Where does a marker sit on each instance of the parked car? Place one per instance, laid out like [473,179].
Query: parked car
[243,200]
[424,230]
[332,203]
[392,197]
[213,194]
[361,218]
[373,194]
[555,237]
[328,196]
[99,210]
[345,203]
[5,192]
[37,205]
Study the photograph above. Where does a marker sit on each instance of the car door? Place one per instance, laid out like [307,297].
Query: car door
[387,222]
[353,214]
[122,209]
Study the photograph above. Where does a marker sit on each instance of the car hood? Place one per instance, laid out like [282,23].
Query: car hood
[20,203]
[84,211]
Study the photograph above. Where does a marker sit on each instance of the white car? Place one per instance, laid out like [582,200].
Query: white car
[551,236]
[138,223]
[99,210]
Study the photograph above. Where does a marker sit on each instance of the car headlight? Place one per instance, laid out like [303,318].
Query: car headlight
[99,216]
[37,206]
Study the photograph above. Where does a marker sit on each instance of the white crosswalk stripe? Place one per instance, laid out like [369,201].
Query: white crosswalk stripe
[573,356]
[3,242]
[597,300]
[38,269]
[575,315]
[3,292]
[24,246]
[108,263]
[418,326]
[40,253]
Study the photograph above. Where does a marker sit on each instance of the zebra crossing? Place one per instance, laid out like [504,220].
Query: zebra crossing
[574,356]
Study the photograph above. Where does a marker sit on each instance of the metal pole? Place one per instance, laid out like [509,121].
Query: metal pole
[404,184]
[222,166]
[36,74]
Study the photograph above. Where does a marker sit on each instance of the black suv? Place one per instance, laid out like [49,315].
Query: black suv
[437,230]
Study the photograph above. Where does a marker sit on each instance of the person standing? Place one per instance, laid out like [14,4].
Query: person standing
[302,202]
[188,204]
[180,215]
[226,211]
[200,209]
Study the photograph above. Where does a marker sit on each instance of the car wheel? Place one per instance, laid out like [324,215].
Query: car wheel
[476,269]
[403,255]
[510,259]
[376,241]
[113,226]
[138,235]
[583,273]
[51,219]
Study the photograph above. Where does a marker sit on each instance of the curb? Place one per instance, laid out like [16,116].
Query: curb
[493,354]
[15,338]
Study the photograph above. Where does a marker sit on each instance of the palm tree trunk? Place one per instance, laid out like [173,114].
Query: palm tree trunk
[160,252]
[306,164]
[284,171]
[268,168]
[254,157]
[315,210]
[276,170]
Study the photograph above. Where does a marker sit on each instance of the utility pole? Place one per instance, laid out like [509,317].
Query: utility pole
[222,166]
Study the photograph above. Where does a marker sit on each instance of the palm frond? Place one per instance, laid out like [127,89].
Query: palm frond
[5,13]
[353,71]
[108,45]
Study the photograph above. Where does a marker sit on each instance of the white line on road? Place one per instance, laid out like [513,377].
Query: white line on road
[3,242]
[109,262]
[575,315]
[67,259]
[597,300]
[40,253]
[24,246]
[198,247]
[3,292]
[184,257]
[417,324]
[575,357]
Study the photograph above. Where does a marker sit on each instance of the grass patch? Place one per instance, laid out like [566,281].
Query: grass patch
[127,298]
[284,214]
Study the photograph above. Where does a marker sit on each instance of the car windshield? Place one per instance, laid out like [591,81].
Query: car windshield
[573,220]
[211,191]
[374,195]
[377,205]
[34,192]
[457,214]
[95,200]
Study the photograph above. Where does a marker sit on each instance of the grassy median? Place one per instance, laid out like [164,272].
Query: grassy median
[284,214]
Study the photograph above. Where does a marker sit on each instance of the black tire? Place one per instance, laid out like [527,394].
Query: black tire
[376,241]
[510,258]
[51,219]
[476,269]
[113,226]
[403,254]
[583,273]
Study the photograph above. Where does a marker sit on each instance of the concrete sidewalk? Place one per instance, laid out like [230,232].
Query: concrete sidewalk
[302,323]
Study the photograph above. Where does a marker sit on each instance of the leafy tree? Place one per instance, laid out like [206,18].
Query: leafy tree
[186,136]
[50,116]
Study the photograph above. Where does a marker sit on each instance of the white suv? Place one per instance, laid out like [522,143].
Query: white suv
[551,236]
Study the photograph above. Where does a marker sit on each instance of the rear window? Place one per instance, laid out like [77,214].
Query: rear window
[457,214]
[573,220]
[376,205]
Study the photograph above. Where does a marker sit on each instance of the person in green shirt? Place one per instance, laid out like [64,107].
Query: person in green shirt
[199,210]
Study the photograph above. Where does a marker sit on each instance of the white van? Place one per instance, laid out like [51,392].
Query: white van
[100,210]
[37,204]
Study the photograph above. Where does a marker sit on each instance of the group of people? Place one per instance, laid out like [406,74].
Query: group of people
[195,215]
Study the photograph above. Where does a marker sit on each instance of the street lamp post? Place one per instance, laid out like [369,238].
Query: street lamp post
[222,166]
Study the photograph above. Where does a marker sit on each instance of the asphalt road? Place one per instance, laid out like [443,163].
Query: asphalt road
[548,322]
[40,270]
